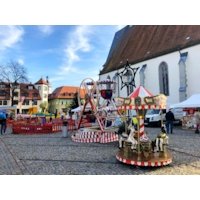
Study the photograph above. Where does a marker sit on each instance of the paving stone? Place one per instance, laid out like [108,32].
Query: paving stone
[53,154]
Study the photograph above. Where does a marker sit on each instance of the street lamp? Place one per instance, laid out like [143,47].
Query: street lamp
[128,76]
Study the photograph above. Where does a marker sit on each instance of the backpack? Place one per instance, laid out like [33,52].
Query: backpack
[2,115]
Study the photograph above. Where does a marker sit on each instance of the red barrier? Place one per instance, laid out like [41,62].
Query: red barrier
[71,126]
[37,129]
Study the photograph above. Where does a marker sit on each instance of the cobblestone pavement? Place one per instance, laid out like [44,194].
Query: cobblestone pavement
[53,154]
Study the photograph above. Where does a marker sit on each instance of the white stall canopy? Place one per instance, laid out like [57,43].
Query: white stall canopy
[80,108]
[191,102]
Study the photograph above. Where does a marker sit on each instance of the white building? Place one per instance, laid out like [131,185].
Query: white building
[42,87]
[166,60]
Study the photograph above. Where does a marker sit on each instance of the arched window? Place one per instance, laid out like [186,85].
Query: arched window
[183,76]
[116,85]
[108,86]
[163,79]
[129,79]
[142,75]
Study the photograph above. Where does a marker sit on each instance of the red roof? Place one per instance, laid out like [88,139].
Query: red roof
[64,92]
[29,93]
[24,91]
[143,42]
[41,81]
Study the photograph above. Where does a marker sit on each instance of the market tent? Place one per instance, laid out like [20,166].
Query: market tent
[80,108]
[5,108]
[191,102]
[8,109]
[140,92]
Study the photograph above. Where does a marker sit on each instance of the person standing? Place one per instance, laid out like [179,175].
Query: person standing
[197,120]
[55,114]
[169,121]
[3,123]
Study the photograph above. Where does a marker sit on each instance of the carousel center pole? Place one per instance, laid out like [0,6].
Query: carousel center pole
[161,118]
[138,132]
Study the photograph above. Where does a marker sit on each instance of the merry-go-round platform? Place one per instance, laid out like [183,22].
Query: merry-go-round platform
[154,159]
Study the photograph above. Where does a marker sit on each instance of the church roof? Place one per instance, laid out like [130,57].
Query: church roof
[142,42]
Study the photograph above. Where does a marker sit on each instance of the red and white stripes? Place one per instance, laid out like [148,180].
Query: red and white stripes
[142,107]
[144,163]
[94,136]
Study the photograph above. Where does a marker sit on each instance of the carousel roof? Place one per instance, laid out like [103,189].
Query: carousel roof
[148,101]
[140,92]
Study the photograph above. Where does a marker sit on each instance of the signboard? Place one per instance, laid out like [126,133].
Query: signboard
[137,101]
[127,101]
[149,100]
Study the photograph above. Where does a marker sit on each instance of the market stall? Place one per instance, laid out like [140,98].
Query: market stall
[190,107]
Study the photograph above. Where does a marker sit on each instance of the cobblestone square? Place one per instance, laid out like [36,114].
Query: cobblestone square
[52,154]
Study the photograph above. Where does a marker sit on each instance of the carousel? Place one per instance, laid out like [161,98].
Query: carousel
[135,146]
[97,97]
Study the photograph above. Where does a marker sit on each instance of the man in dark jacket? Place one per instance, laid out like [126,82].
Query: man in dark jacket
[169,121]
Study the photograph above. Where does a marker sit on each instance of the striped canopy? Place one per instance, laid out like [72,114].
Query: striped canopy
[140,92]
[160,100]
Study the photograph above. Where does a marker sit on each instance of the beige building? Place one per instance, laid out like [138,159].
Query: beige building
[26,96]
[61,98]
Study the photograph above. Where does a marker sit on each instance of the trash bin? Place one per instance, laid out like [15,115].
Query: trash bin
[64,129]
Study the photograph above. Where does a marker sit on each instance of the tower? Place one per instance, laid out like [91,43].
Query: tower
[43,88]
[49,85]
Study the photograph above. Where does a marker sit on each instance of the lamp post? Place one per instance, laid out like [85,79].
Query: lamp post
[127,76]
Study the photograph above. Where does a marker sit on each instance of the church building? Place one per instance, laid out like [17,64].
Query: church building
[162,58]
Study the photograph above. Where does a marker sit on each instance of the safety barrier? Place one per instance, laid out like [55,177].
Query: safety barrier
[71,126]
[36,129]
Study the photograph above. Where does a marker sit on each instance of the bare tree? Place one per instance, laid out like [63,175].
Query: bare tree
[12,74]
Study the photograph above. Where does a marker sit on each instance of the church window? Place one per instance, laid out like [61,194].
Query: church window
[164,79]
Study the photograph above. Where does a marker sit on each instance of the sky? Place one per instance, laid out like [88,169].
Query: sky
[66,54]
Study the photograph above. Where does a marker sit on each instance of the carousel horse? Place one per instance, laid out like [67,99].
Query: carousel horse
[128,137]
[160,141]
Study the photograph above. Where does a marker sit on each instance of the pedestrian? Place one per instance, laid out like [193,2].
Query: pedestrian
[55,114]
[62,116]
[3,122]
[75,119]
[197,120]
[68,116]
[169,121]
